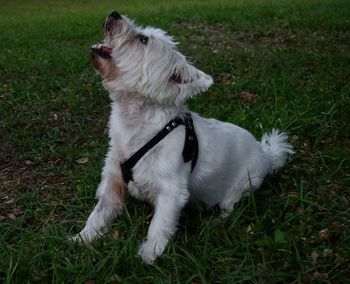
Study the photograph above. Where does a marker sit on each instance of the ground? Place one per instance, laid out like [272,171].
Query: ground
[283,64]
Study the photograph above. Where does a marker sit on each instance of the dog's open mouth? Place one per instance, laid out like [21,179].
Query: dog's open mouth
[101,50]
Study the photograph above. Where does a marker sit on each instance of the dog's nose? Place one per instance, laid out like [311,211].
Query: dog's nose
[115,15]
[109,23]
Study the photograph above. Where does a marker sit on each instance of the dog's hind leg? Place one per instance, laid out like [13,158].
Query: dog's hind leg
[168,207]
[243,189]
[111,194]
[227,205]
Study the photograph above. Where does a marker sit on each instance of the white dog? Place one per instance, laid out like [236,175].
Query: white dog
[195,158]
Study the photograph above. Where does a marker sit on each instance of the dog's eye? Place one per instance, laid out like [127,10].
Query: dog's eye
[143,39]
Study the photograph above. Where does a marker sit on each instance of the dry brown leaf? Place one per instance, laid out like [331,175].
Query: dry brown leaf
[319,276]
[12,216]
[5,88]
[336,225]
[299,211]
[223,78]
[249,229]
[115,234]
[247,96]
[82,161]
[314,257]
[327,253]
[325,234]
[9,201]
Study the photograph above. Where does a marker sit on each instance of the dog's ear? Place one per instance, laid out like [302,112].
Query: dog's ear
[202,81]
[192,77]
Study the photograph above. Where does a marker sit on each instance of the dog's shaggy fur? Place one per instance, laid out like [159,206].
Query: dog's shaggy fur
[148,80]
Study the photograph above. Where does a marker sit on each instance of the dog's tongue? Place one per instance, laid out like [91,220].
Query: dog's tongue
[102,50]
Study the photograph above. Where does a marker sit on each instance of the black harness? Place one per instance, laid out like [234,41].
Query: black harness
[190,150]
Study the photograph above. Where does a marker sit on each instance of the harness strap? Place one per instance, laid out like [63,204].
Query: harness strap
[190,150]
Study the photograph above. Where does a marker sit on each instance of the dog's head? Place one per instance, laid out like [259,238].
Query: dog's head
[145,61]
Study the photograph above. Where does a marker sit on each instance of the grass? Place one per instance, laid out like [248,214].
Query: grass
[292,59]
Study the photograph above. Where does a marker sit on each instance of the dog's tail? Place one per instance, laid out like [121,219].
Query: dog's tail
[276,147]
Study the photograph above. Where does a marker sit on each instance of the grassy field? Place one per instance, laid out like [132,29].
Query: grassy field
[283,64]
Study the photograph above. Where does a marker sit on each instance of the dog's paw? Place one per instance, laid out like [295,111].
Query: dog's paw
[75,239]
[148,252]
[86,236]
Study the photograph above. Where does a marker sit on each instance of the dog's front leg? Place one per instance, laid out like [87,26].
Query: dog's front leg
[111,194]
[168,207]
